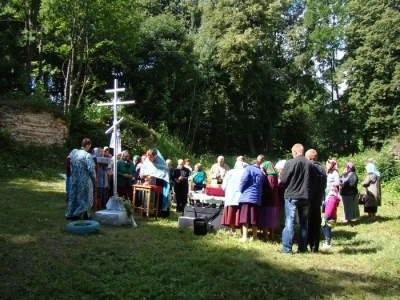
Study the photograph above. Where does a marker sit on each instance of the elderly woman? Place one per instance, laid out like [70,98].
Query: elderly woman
[197,177]
[280,165]
[102,179]
[268,218]
[230,185]
[349,193]
[372,186]
[333,178]
[125,175]
[251,186]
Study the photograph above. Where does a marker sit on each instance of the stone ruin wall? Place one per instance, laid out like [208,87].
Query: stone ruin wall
[39,128]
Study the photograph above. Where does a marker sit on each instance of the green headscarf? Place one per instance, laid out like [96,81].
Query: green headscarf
[268,166]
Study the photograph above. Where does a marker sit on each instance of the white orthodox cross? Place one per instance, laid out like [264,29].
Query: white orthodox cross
[115,103]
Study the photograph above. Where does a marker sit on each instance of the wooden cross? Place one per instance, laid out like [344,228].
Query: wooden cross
[115,103]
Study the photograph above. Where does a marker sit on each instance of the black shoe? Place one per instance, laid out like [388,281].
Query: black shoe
[73,218]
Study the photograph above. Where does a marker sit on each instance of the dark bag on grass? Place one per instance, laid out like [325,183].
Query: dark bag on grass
[201,224]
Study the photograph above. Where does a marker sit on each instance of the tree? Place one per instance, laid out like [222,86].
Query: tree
[19,36]
[241,56]
[372,68]
[84,35]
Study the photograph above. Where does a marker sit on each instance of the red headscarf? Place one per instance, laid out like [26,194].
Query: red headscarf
[332,165]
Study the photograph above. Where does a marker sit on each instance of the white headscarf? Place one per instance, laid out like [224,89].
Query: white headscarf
[240,165]
[280,164]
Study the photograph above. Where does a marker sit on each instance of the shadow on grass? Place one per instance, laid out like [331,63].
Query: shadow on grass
[31,209]
[340,233]
[157,260]
[380,219]
[356,251]
[44,174]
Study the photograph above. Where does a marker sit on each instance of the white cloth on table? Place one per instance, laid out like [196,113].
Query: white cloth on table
[204,198]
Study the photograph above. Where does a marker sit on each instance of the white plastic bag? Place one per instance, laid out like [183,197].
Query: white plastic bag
[113,204]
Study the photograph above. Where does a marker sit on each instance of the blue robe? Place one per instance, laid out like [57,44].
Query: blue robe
[160,170]
[83,177]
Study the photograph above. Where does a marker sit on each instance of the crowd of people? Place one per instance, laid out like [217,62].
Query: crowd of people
[258,196]
[303,190]
[83,174]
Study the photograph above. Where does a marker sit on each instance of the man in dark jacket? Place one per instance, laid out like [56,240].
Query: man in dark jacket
[317,196]
[298,178]
[180,178]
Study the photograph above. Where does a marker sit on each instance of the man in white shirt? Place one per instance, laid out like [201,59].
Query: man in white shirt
[218,171]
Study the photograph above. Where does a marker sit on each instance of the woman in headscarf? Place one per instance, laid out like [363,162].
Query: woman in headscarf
[102,178]
[280,165]
[372,186]
[268,218]
[230,185]
[95,153]
[251,186]
[333,178]
[349,193]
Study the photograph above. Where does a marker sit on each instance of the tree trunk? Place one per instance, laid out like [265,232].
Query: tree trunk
[31,27]
[66,87]
[249,128]
[81,57]
[191,113]
[270,148]
[251,143]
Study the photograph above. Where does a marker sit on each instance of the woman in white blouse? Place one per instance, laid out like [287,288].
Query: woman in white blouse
[333,177]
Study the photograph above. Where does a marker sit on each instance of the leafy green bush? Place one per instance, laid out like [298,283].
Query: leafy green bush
[6,141]
[39,162]
[383,160]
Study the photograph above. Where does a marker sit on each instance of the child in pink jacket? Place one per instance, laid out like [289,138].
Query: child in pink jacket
[330,216]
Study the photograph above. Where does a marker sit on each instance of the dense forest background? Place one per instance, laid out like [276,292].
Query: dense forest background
[222,76]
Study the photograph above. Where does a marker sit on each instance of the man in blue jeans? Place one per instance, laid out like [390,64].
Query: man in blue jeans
[297,178]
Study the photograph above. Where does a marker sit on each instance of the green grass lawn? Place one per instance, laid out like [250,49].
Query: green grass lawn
[158,260]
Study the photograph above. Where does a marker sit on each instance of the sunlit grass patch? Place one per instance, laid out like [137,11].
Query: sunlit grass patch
[39,259]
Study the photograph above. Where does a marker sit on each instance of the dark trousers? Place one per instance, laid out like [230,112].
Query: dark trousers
[181,194]
[314,228]
[111,189]
[328,233]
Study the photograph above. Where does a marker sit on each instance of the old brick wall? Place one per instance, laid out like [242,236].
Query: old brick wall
[40,128]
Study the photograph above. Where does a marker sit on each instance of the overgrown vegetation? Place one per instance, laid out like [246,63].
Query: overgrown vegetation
[223,76]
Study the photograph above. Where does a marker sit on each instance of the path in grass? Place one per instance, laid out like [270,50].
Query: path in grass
[158,260]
